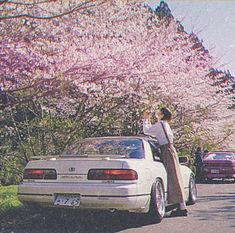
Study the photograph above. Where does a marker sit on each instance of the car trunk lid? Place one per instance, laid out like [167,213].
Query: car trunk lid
[70,169]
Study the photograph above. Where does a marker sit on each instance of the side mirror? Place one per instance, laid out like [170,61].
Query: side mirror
[183,160]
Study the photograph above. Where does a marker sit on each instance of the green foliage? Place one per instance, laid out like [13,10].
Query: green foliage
[39,127]
[8,200]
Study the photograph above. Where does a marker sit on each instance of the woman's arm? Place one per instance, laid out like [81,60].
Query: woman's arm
[149,129]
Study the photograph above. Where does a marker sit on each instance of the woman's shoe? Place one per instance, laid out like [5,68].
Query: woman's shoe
[179,213]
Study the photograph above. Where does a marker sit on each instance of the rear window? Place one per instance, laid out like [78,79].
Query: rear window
[128,148]
[220,155]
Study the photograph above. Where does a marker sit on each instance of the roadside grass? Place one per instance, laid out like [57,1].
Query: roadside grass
[12,212]
[8,200]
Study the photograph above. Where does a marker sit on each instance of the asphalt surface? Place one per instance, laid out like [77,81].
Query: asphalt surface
[213,213]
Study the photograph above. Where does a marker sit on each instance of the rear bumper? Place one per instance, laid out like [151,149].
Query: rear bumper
[103,196]
[219,176]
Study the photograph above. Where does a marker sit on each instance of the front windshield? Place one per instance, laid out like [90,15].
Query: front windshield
[220,155]
[129,148]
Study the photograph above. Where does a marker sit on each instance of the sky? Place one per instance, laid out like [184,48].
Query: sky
[214,23]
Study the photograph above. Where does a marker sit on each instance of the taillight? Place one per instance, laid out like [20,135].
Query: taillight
[40,174]
[112,174]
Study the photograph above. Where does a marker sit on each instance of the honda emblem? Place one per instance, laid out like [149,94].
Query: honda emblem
[72,169]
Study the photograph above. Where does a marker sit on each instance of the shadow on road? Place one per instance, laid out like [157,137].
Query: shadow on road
[71,221]
[216,181]
[220,206]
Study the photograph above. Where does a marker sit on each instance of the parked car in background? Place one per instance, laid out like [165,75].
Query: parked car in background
[219,165]
[107,173]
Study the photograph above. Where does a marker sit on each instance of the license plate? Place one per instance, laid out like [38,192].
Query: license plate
[215,171]
[67,200]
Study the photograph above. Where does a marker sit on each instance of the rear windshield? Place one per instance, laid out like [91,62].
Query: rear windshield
[220,155]
[129,148]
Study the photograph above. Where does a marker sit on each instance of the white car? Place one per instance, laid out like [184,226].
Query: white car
[106,173]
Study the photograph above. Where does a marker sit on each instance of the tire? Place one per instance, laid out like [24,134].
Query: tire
[192,191]
[157,204]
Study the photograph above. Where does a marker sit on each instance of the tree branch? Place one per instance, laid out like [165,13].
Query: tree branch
[81,6]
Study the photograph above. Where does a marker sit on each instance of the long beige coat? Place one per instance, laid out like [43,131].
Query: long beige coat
[162,131]
[175,182]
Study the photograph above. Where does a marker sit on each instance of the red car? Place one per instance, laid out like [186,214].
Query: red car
[219,165]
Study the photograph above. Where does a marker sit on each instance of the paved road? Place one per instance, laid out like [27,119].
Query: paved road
[213,213]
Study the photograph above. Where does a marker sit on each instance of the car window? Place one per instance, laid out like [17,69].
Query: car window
[220,155]
[155,150]
[129,148]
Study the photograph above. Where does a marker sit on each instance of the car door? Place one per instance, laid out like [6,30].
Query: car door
[156,152]
[158,168]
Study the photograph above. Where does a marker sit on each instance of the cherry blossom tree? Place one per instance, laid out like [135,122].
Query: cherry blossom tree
[124,49]
[44,9]
[103,64]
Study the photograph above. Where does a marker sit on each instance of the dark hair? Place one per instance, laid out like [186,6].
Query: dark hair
[167,115]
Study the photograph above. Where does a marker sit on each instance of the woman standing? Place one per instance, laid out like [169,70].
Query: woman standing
[162,131]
